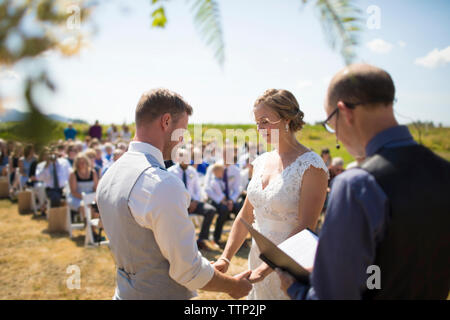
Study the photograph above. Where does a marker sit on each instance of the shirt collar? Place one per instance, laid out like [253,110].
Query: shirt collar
[387,136]
[143,147]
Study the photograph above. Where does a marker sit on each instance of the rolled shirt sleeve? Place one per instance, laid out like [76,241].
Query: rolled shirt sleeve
[163,209]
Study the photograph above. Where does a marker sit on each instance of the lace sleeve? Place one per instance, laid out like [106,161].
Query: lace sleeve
[310,159]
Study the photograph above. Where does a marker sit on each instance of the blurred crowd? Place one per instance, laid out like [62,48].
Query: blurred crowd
[216,176]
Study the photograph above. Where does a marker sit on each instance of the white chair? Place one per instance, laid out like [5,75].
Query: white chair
[70,226]
[88,198]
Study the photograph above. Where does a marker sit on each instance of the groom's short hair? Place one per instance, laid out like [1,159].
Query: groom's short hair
[156,102]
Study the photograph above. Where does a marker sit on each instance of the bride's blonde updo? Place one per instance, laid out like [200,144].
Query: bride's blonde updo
[285,105]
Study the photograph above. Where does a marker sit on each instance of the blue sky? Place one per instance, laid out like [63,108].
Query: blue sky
[268,44]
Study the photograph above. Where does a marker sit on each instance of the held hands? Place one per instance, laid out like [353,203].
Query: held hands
[242,285]
[260,273]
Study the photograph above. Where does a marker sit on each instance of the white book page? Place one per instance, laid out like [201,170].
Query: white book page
[301,247]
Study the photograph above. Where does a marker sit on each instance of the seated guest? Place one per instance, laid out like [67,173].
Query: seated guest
[188,175]
[13,164]
[99,161]
[92,155]
[25,164]
[215,189]
[3,158]
[232,179]
[125,134]
[72,152]
[246,175]
[336,168]
[198,162]
[70,133]
[55,174]
[326,156]
[116,155]
[112,133]
[83,178]
[108,154]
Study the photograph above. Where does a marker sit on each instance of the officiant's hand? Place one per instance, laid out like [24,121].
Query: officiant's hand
[242,286]
[260,273]
[286,279]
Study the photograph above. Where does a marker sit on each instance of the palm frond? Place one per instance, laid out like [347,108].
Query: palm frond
[341,22]
[208,23]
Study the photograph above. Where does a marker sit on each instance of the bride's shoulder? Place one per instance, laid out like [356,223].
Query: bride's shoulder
[311,158]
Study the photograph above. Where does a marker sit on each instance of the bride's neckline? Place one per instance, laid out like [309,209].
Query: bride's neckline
[280,173]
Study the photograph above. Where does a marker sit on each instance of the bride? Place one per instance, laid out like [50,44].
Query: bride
[286,193]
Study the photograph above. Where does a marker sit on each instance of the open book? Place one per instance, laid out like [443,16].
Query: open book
[294,255]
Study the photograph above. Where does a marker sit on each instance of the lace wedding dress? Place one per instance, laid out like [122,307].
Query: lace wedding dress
[276,213]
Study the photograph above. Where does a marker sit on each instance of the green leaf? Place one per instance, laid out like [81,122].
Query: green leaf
[159,18]
[208,23]
[341,22]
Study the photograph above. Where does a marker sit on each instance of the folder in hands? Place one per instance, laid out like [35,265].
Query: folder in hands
[294,255]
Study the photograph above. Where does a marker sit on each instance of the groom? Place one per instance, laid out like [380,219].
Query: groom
[144,213]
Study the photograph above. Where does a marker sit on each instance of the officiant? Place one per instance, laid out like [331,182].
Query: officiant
[391,214]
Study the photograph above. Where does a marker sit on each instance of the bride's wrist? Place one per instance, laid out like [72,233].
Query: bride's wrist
[224,259]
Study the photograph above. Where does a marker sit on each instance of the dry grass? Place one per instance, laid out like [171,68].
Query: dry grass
[34,262]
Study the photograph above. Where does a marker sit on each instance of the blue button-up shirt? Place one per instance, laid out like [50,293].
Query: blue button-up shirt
[355,223]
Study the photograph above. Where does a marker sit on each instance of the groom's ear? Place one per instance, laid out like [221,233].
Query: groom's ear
[166,120]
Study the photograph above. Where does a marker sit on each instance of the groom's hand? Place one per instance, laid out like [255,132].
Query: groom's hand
[242,286]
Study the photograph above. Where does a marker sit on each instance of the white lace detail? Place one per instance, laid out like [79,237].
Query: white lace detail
[276,212]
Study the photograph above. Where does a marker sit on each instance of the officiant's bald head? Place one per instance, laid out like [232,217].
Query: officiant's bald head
[156,102]
[359,105]
[362,84]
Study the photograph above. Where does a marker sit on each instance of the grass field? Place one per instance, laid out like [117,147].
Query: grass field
[34,262]
[312,136]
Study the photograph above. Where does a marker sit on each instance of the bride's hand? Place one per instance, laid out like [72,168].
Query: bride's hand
[221,265]
[260,273]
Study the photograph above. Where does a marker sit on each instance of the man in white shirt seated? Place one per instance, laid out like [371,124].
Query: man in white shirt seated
[231,178]
[116,155]
[215,189]
[55,174]
[188,175]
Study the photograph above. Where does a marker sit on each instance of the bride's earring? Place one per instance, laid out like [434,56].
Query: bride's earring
[287,127]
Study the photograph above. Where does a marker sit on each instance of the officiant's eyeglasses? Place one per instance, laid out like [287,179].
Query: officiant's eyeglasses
[326,123]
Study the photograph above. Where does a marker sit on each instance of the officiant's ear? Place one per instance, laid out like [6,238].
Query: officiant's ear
[166,119]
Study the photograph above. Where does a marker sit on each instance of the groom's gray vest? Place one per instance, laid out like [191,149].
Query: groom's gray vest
[142,271]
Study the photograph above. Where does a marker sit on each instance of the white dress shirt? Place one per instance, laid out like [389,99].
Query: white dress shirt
[234,181]
[45,175]
[159,202]
[192,180]
[215,189]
